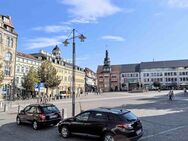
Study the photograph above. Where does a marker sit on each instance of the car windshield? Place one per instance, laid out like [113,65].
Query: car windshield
[129,117]
[50,109]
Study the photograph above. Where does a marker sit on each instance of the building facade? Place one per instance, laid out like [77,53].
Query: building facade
[168,73]
[90,80]
[8,45]
[108,76]
[128,77]
[23,64]
[64,71]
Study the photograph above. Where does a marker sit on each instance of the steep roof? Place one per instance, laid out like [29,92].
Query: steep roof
[26,55]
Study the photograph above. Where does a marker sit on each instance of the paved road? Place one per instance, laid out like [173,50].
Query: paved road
[162,120]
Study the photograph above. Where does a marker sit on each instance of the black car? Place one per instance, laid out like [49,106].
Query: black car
[106,123]
[39,115]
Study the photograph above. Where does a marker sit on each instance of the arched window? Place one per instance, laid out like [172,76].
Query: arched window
[8,56]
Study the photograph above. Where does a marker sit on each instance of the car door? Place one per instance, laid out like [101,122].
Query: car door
[78,125]
[30,114]
[23,115]
[97,122]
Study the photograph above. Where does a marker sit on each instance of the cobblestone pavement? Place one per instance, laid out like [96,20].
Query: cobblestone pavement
[163,120]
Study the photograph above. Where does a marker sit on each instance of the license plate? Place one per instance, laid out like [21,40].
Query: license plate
[138,132]
[53,116]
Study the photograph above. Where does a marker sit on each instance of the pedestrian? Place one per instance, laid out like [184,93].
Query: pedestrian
[100,91]
[171,95]
[185,91]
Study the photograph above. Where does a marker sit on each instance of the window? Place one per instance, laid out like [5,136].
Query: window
[7,71]
[27,108]
[23,69]
[49,109]
[8,42]
[22,79]
[11,42]
[8,56]
[98,116]
[32,110]
[83,116]
[27,69]
[129,117]
[17,80]
[17,68]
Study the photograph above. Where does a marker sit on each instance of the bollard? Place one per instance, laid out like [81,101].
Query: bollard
[80,107]
[62,114]
[18,108]
[5,107]
[1,104]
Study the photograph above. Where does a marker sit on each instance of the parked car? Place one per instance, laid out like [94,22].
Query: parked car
[39,115]
[106,123]
[62,94]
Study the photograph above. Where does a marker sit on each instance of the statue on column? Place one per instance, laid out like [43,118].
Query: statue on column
[106,53]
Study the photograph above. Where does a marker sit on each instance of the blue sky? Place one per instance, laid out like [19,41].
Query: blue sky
[132,30]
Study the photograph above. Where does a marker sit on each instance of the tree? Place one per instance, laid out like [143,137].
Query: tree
[1,75]
[48,75]
[30,80]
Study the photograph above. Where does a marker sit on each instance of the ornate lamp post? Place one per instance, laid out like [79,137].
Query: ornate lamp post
[82,38]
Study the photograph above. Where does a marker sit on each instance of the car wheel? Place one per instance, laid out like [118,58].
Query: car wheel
[109,137]
[65,132]
[18,120]
[35,125]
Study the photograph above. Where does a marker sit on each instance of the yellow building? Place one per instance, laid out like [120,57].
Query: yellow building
[8,45]
[64,71]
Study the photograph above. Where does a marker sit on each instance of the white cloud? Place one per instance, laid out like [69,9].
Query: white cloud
[53,28]
[90,10]
[178,3]
[43,42]
[113,38]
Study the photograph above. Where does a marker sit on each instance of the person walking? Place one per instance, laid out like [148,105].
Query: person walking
[185,91]
[171,95]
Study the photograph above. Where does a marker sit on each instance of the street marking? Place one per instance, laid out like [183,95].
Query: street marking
[163,132]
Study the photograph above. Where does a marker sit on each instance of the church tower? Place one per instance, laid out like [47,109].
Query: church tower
[56,52]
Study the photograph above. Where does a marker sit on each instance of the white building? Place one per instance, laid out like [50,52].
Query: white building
[168,73]
[23,64]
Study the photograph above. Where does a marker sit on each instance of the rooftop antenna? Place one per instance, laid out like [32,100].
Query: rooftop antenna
[153,60]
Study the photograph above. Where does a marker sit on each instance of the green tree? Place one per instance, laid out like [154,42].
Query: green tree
[48,75]
[30,79]
[1,75]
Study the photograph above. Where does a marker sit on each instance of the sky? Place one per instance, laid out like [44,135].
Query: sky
[133,31]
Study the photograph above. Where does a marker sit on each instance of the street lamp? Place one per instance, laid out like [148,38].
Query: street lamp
[66,42]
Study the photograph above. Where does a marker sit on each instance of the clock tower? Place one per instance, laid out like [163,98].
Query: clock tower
[106,73]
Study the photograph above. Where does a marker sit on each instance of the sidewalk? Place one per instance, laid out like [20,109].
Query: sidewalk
[13,106]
